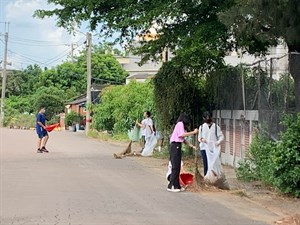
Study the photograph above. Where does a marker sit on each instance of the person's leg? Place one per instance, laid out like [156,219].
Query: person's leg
[39,142]
[175,158]
[143,141]
[177,168]
[204,160]
[169,177]
[160,144]
[45,139]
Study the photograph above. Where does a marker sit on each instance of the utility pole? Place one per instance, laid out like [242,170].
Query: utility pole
[89,78]
[73,47]
[4,79]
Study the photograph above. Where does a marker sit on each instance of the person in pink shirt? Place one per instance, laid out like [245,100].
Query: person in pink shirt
[176,140]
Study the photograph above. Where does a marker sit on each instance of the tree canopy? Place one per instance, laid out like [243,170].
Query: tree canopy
[189,29]
[257,25]
[198,33]
[34,86]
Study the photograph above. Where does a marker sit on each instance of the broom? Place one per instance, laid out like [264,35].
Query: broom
[198,177]
[123,153]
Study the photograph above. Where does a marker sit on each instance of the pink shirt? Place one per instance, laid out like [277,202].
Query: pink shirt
[177,133]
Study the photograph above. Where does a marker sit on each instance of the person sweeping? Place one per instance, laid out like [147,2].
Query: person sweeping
[176,140]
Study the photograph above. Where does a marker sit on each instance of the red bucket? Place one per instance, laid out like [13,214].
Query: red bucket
[50,128]
[186,178]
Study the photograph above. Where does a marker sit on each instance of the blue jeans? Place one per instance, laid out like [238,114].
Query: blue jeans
[204,159]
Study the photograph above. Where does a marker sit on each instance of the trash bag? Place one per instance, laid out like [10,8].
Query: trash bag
[149,146]
[134,134]
[215,174]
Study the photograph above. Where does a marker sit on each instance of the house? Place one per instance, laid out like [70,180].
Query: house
[136,72]
[78,105]
[130,63]
[277,53]
[139,77]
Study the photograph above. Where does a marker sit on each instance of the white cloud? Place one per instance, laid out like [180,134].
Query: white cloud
[51,42]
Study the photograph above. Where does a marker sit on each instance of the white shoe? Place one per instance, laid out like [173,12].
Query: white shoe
[173,190]
[182,189]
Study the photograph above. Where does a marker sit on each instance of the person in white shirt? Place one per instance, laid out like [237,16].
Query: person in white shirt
[147,127]
[210,136]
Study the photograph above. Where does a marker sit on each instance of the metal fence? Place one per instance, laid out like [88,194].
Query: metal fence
[265,86]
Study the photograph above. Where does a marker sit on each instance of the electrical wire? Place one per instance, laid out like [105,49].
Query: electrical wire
[38,45]
[22,56]
[110,81]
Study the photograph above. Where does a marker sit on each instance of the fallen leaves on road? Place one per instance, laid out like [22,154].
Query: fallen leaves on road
[290,220]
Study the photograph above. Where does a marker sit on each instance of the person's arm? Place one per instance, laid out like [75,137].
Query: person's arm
[38,121]
[200,137]
[150,124]
[42,125]
[189,144]
[200,134]
[139,124]
[219,135]
[186,134]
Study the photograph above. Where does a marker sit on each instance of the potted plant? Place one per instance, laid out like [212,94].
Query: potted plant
[71,119]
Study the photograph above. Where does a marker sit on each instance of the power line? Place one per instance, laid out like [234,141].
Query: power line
[38,45]
[33,60]
[28,55]
[25,40]
[106,80]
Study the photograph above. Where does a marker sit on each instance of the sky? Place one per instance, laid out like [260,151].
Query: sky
[32,40]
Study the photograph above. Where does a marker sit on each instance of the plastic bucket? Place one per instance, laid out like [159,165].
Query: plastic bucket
[50,128]
[186,178]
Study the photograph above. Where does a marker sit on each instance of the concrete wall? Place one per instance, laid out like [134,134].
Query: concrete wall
[237,127]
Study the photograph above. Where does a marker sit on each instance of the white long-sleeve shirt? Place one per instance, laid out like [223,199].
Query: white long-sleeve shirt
[212,134]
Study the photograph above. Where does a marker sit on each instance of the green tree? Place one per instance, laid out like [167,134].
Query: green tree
[175,92]
[189,29]
[23,82]
[105,67]
[64,76]
[257,25]
[52,98]
[121,106]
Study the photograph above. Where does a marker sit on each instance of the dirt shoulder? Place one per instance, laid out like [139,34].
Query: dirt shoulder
[251,198]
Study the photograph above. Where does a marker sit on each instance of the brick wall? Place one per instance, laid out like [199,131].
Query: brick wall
[237,129]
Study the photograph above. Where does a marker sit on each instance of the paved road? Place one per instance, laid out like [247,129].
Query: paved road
[79,182]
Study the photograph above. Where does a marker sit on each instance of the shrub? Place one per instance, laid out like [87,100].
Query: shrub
[276,163]
[121,106]
[24,121]
[72,118]
[257,166]
[286,158]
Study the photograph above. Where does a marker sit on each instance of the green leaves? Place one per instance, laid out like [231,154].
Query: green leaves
[175,91]
[121,106]
[183,26]
[277,163]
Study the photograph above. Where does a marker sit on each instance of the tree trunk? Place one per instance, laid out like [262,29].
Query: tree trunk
[294,66]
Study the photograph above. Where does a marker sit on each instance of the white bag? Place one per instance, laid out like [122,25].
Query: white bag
[149,146]
[215,174]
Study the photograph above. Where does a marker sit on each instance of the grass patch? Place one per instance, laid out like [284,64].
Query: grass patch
[120,137]
[93,134]
[163,154]
[105,136]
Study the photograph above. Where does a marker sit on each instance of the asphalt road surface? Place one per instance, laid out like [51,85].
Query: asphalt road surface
[79,182]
